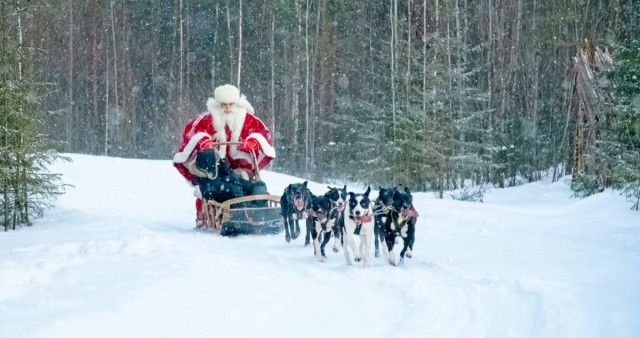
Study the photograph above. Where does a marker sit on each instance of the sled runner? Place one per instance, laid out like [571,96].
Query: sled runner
[252,214]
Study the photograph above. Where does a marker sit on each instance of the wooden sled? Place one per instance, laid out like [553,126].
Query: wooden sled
[256,215]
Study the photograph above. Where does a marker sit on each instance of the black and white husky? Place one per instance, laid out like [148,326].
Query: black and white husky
[337,197]
[357,219]
[381,211]
[322,224]
[400,224]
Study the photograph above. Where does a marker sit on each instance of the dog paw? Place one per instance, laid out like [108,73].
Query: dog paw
[358,259]
[287,238]
[306,243]
[321,260]
[409,254]
[295,235]
[377,253]
[401,261]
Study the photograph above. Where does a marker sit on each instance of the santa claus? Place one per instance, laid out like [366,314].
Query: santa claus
[229,119]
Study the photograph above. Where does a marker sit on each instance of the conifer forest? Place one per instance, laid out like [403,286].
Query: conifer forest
[431,94]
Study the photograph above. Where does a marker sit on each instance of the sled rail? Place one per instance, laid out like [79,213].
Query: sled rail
[229,218]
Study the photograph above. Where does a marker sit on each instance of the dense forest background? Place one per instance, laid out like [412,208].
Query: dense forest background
[429,94]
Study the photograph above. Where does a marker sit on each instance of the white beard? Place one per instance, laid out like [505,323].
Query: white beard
[234,120]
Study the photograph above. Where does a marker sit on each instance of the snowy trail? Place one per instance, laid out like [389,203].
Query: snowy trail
[118,257]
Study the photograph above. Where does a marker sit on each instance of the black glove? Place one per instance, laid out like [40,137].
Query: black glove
[207,161]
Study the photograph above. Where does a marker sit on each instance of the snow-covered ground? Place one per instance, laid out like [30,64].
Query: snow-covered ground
[118,257]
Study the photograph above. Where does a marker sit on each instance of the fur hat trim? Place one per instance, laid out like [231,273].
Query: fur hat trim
[227,94]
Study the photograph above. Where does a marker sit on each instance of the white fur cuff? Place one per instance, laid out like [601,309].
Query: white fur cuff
[196,192]
[267,149]
[183,156]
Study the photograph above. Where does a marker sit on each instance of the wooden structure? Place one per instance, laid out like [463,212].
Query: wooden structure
[255,214]
[587,104]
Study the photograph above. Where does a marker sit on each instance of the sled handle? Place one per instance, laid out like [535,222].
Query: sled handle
[256,170]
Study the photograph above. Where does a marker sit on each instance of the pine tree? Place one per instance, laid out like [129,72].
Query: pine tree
[25,183]
[624,149]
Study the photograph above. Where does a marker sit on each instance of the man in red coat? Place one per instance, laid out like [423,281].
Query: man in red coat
[229,118]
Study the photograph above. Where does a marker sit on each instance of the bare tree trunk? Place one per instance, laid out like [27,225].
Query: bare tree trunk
[273,77]
[128,137]
[306,91]
[69,123]
[115,61]
[181,68]
[408,74]
[230,47]
[392,45]
[94,82]
[239,41]
[489,125]
[5,123]
[213,52]
[313,81]
[295,104]
[424,56]
[106,101]
[187,89]
[536,77]
[21,172]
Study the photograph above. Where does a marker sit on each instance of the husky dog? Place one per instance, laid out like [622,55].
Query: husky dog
[400,224]
[357,219]
[380,210]
[322,223]
[294,203]
[338,199]
[337,196]
[220,183]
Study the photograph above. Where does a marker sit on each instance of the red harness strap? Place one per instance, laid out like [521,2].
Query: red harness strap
[410,213]
[361,219]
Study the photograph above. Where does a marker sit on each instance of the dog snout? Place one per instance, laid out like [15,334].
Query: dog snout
[357,212]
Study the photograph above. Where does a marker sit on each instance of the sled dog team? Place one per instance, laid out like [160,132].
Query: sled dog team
[389,219]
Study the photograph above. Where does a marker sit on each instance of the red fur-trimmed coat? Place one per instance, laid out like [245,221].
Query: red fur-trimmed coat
[238,126]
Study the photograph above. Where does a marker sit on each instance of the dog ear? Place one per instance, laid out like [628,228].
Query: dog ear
[304,184]
[366,193]
[351,193]
[345,188]
[406,189]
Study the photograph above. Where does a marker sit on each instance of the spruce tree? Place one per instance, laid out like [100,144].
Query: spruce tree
[26,185]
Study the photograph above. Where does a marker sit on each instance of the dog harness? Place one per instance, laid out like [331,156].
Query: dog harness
[409,213]
[331,214]
[381,209]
